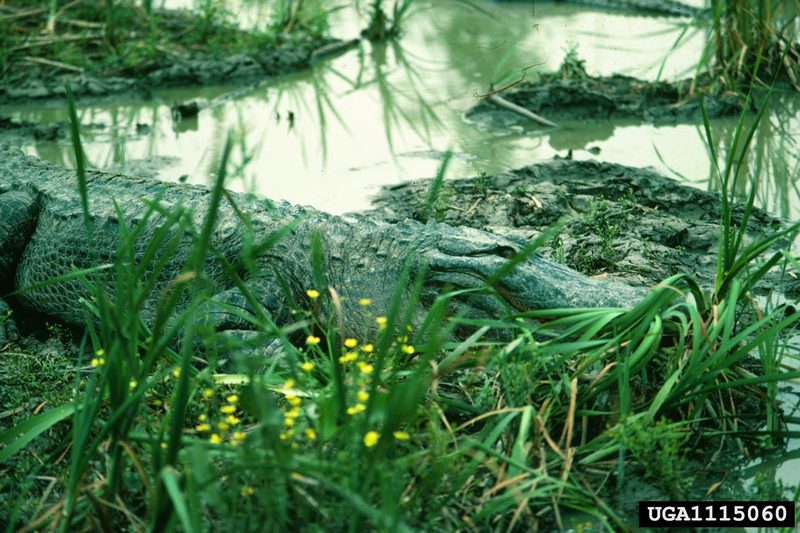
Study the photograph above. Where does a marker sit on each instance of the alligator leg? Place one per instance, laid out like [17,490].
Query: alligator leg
[18,214]
[232,317]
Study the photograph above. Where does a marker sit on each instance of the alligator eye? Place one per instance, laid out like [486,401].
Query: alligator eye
[505,252]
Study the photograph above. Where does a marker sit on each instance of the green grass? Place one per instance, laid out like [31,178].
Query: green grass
[404,430]
[746,33]
[130,38]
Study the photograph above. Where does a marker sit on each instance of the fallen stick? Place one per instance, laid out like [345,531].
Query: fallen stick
[21,15]
[333,48]
[51,63]
[33,43]
[502,102]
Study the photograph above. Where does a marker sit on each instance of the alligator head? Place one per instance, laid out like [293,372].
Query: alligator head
[468,261]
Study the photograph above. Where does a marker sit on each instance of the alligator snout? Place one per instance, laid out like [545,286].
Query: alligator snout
[468,259]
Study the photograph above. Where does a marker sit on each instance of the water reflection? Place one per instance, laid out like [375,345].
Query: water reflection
[379,114]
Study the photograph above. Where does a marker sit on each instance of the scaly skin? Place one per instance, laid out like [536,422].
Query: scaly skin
[42,235]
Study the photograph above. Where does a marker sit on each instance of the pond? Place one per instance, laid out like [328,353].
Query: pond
[382,114]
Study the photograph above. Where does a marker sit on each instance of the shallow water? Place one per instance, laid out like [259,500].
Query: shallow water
[378,115]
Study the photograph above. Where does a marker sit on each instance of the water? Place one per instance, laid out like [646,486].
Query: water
[380,114]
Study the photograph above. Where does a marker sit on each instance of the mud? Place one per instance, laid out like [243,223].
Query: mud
[630,223]
[189,69]
[16,132]
[12,130]
[614,97]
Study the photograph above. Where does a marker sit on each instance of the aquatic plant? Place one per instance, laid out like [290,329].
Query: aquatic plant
[299,15]
[749,32]
[128,38]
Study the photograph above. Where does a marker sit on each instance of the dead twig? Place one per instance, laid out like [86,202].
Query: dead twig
[20,15]
[51,63]
[47,41]
[502,102]
[493,91]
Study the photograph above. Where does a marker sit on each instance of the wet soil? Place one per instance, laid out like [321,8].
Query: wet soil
[583,97]
[12,130]
[179,70]
[630,223]
[15,131]
[169,49]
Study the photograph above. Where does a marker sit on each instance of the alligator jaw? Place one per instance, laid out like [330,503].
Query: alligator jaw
[469,260]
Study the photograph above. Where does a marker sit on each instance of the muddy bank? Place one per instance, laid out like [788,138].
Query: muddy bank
[630,223]
[13,130]
[142,52]
[22,131]
[191,69]
[581,97]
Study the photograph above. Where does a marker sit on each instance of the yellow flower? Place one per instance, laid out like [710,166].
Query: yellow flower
[348,357]
[215,439]
[208,393]
[350,343]
[288,421]
[293,413]
[293,400]
[367,348]
[288,384]
[312,293]
[133,384]
[381,321]
[365,368]
[364,302]
[357,408]
[407,348]
[203,427]
[223,426]
[202,418]
[363,396]
[227,409]
[238,436]
[233,398]
[310,434]
[283,436]
[248,491]
[401,435]
[307,366]
[312,340]
[98,361]
[232,420]
[176,372]
[100,353]
[371,438]
[164,445]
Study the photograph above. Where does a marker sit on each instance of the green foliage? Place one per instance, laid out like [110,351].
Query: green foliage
[573,67]
[127,37]
[753,41]
[659,449]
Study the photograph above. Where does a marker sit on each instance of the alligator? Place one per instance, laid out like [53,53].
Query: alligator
[664,8]
[44,234]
